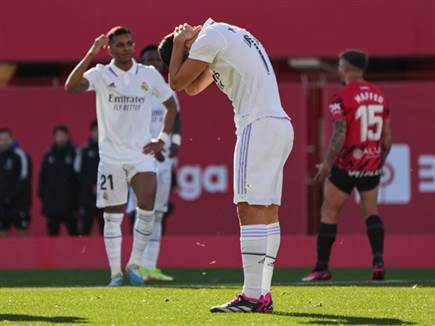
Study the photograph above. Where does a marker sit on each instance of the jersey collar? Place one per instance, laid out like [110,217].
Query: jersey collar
[117,72]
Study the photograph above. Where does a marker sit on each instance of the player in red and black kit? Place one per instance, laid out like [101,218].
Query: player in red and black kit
[359,146]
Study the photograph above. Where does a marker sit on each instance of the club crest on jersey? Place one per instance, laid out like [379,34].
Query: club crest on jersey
[335,108]
[144,86]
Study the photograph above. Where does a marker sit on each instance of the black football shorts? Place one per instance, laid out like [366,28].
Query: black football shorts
[343,181]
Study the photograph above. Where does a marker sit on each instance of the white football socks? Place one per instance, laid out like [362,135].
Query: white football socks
[253,243]
[273,241]
[142,230]
[113,241]
[151,253]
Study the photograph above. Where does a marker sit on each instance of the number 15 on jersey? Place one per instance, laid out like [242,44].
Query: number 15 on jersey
[371,120]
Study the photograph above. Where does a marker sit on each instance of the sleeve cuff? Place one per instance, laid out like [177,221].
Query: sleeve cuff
[199,58]
[176,139]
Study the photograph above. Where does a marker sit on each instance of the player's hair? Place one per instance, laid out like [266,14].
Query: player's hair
[118,30]
[93,124]
[61,128]
[165,48]
[149,47]
[6,131]
[357,58]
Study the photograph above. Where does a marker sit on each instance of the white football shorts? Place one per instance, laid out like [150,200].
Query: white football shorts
[261,151]
[164,181]
[114,179]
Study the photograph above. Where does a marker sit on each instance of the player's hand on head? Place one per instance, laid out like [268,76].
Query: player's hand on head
[185,33]
[154,147]
[100,42]
[196,31]
[180,34]
[324,169]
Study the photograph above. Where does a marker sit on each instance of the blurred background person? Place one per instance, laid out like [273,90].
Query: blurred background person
[29,190]
[14,185]
[26,193]
[165,165]
[86,166]
[58,184]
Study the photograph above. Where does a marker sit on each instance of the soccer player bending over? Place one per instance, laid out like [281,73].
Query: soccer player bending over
[237,62]
[124,91]
[359,146]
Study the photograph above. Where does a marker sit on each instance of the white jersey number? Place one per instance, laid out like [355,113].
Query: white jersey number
[370,117]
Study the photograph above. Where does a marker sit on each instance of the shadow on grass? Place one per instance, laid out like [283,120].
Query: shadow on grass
[325,319]
[31,318]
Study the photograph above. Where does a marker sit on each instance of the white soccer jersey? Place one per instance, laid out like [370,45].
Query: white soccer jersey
[124,105]
[241,69]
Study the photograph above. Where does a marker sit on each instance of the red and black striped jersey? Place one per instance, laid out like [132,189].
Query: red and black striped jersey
[365,108]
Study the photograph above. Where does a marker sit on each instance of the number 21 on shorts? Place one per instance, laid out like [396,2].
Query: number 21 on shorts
[371,121]
[103,181]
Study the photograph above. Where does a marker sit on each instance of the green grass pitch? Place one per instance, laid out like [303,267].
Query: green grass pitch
[79,297]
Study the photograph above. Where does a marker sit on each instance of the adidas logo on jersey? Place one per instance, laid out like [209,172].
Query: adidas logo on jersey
[112,85]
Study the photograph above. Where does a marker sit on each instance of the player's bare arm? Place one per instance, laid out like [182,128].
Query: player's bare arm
[183,72]
[75,81]
[335,145]
[168,124]
[387,140]
[200,83]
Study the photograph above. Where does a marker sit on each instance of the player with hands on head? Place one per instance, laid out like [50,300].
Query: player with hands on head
[237,62]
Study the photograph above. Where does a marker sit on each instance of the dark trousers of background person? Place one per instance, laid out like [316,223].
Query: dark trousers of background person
[54,222]
[86,220]
[18,219]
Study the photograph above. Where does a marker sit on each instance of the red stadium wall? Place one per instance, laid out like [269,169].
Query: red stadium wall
[62,30]
[204,201]
[408,187]
[203,230]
